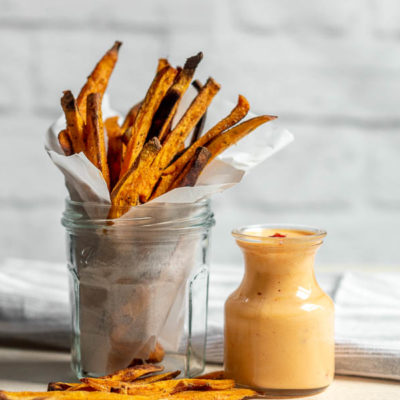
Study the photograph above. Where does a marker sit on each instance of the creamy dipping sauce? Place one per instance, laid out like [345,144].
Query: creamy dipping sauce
[279,324]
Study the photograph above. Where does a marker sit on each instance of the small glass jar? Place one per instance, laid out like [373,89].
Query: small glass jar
[139,286]
[279,324]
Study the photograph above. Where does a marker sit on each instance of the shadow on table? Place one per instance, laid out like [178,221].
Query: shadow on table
[43,371]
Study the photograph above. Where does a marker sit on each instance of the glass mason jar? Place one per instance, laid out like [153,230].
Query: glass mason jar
[139,286]
[279,324]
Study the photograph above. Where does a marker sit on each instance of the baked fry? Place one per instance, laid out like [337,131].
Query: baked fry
[98,80]
[230,394]
[231,136]
[95,145]
[198,129]
[212,375]
[57,386]
[124,193]
[176,137]
[238,113]
[132,373]
[65,142]
[166,111]
[156,378]
[162,63]
[171,173]
[74,121]
[131,116]
[166,387]
[79,387]
[193,169]
[156,356]
[70,396]
[159,87]
[114,152]
[126,136]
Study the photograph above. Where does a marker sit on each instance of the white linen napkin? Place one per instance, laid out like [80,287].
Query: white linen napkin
[34,307]
[34,303]
[368,325]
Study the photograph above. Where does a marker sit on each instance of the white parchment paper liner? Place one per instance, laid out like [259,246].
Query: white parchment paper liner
[129,298]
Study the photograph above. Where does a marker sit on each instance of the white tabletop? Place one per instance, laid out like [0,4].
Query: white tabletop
[22,369]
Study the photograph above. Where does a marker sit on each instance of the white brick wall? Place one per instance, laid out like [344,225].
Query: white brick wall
[330,70]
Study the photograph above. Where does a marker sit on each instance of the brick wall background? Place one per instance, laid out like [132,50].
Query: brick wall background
[329,69]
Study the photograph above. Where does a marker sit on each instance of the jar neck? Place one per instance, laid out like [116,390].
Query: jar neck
[291,269]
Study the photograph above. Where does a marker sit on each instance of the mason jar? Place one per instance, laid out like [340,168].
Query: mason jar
[138,286]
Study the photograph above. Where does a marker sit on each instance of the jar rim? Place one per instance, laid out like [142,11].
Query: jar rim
[252,233]
[157,216]
[154,204]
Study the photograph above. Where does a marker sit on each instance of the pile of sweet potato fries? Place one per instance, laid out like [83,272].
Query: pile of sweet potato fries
[143,382]
[146,156]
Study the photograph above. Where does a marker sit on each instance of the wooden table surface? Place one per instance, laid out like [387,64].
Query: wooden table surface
[31,370]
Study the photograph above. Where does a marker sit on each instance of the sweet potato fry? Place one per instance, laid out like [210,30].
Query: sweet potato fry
[159,87]
[97,385]
[124,193]
[156,356]
[98,80]
[212,375]
[231,136]
[156,378]
[163,117]
[171,173]
[130,374]
[65,142]
[162,63]
[79,387]
[198,129]
[131,116]
[230,394]
[70,396]
[114,152]
[161,387]
[193,169]
[95,145]
[74,121]
[176,137]
[56,386]
[127,135]
[238,113]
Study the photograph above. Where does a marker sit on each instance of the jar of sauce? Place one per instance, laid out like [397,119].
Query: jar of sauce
[279,324]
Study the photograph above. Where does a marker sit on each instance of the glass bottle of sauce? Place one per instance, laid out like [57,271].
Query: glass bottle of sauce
[279,324]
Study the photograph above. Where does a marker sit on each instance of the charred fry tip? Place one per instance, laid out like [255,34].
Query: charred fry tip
[197,85]
[93,98]
[193,62]
[117,45]
[68,100]
[154,143]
